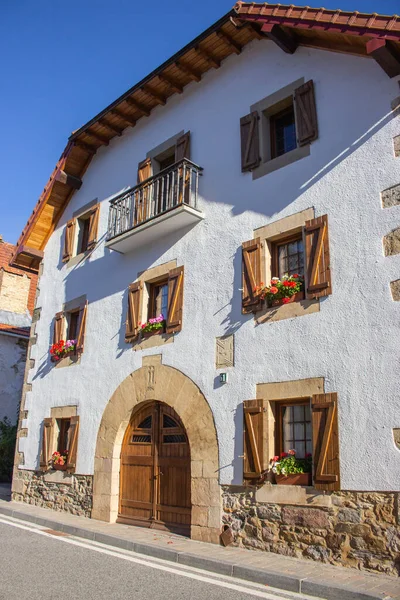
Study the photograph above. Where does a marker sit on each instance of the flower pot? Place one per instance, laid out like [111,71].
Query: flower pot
[294,479]
[295,298]
[147,334]
[58,467]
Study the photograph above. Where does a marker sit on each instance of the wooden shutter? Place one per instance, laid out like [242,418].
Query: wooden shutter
[72,444]
[318,269]
[175,300]
[47,443]
[325,442]
[255,459]
[69,240]
[134,310]
[142,196]
[182,147]
[81,327]
[251,274]
[93,226]
[58,327]
[305,113]
[250,142]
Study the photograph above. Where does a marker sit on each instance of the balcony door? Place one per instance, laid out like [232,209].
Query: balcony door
[155,471]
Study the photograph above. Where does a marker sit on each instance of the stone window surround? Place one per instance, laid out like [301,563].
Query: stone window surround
[287,390]
[80,212]
[274,232]
[158,151]
[67,307]
[147,277]
[266,107]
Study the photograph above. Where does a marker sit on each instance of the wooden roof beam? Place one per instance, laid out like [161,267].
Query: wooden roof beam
[174,85]
[386,55]
[212,60]
[229,41]
[157,97]
[70,180]
[97,136]
[195,75]
[123,116]
[282,38]
[110,127]
[140,107]
[85,146]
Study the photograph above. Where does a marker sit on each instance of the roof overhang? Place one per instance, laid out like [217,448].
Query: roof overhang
[367,35]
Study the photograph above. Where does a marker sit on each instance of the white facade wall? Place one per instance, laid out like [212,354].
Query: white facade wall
[12,368]
[353,342]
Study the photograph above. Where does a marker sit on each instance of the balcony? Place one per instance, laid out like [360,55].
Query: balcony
[160,205]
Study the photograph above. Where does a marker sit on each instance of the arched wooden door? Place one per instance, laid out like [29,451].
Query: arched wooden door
[155,471]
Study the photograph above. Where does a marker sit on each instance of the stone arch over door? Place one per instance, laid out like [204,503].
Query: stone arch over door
[155,381]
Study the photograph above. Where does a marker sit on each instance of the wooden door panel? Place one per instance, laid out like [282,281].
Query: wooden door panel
[155,471]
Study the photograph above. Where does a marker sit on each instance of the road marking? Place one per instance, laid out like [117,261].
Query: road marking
[161,566]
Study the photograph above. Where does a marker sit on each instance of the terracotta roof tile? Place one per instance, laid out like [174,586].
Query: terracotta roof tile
[20,331]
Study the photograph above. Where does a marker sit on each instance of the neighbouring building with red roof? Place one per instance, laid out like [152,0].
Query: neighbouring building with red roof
[215,348]
[17,299]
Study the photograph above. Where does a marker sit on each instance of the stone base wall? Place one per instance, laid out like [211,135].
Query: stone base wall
[56,490]
[351,529]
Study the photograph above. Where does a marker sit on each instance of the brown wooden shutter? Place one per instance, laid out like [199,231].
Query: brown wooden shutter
[182,147]
[175,300]
[58,327]
[93,226]
[318,269]
[250,142]
[72,444]
[81,328]
[134,310]
[325,442]
[305,113]
[47,443]
[142,196]
[69,240]
[255,459]
[251,275]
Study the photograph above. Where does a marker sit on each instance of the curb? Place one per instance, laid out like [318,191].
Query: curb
[311,587]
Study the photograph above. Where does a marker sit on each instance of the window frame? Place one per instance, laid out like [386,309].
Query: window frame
[279,405]
[274,257]
[151,305]
[63,425]
[273,118]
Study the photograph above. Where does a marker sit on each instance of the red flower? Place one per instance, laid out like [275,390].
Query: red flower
[292,284]
[295,275]
[273,290]
[275,458]
[285,300]
[308,455]
[283,454]
[287,283]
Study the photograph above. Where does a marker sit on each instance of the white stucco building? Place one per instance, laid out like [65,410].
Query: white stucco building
[274,154]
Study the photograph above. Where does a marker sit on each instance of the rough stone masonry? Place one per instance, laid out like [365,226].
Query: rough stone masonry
[358,529]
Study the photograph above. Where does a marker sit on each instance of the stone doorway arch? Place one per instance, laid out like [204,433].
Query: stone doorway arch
[155,381]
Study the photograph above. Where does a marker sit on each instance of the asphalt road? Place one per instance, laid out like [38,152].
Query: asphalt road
[37,565]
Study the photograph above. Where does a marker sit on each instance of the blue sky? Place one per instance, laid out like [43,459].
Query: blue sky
[62,62]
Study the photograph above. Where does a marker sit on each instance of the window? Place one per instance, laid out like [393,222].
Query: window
[70,324]
[63,429]
[279,129]
[148,298]
[73,325]
[81,233]
[287,257]
[283,132]
[293,428]
[158,299]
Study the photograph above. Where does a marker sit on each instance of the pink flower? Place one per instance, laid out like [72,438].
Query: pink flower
[292,452]
[273,290]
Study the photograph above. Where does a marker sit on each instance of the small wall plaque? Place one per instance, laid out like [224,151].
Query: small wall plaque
[224,352]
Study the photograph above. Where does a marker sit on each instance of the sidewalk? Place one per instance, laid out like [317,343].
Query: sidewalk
[307,577]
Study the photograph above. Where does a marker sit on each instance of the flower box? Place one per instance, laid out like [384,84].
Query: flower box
[296,298]
[58,467]
[294,479]
[147,334]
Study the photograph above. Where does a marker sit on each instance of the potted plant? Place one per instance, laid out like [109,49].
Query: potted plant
[281,291]
[61,349]
[290,470]
[59,460]
[154,326]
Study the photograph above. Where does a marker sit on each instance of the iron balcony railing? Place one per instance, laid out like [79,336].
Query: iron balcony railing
[175,186]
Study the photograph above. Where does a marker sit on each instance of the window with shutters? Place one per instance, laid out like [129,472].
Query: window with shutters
[70,326]
[59,435]
[159,292]
[296,247]
[279,129]
[81,233]
[293,427]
